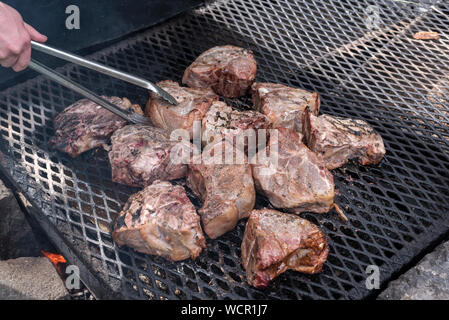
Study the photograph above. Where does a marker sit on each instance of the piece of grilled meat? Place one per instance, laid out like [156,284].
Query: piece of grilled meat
[192,106]
[291,176]
[160,220]
[141,154]
[85,125]
[228,70]
[227,190]
[275,242]
[284,105]
[221,120]
[340,139]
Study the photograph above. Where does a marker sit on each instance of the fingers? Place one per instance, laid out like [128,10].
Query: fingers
[34,34]
[9,61]
[15,39]
[23,60]
[23,54]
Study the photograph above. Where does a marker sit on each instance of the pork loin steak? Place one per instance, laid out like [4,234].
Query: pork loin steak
[192,106]
[291,176]
[227,190]
[160,220]
[284,105]
[85,125]
[340,139]
[275,242]
[228,70]
[141,154]
[221,120]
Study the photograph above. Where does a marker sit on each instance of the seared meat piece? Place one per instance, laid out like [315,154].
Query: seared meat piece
[221,120]
[192,106]
[275,242]
[160,220]
[340,139]
[284,105]
[141,154]
[228,70]
[298,181]
[227,190]
[85,125]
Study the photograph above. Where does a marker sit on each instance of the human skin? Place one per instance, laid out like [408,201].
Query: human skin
[15,39]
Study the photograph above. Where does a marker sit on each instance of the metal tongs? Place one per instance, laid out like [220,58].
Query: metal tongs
[66,82]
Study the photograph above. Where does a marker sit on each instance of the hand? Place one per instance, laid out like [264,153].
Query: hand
[15,39]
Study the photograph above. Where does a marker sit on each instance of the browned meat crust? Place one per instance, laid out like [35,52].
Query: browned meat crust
[85,125]
[160,220]
[275,242]
[299,181]
[283,105]
[221,120]
[228,70]
[340,139]
[141,154]
[227,190]
[192,106]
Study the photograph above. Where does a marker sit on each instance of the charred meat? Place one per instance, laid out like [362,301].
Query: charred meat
[275,242]
[85,125]
[160,220]
[340,139]
[283,105]
[227,190]
[192,106]
[228,70]
[141,154]
[291,176]
[221,120]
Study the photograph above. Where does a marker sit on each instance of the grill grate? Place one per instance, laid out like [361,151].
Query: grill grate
[396,83]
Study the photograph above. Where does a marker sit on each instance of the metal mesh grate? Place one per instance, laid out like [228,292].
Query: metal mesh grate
[398,84]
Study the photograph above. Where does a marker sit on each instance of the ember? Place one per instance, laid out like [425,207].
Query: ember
[54,258]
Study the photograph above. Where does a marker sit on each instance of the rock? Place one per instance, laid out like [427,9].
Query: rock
[30,279]
[16,236]
[428,280]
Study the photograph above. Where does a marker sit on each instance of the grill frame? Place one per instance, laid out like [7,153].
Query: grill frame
[341,87]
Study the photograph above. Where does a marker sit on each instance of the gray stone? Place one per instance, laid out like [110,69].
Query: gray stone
[30,279]
[428,280]
[16,236]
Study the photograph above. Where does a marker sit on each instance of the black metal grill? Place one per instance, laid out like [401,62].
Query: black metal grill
[398,84]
